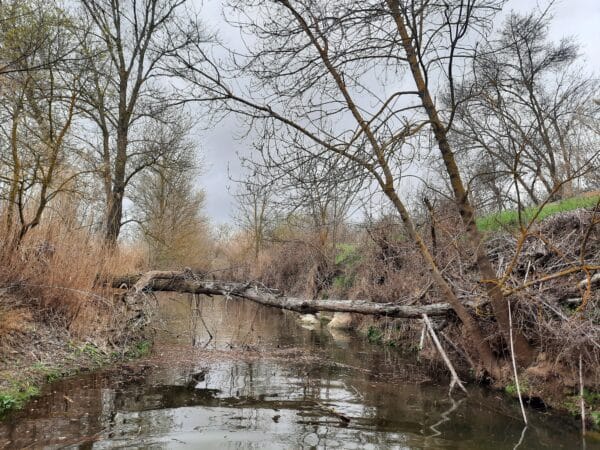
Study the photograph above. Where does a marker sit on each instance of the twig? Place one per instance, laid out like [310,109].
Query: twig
[422,340]
[527,271]
[455,380]
[458,350]
[514,364]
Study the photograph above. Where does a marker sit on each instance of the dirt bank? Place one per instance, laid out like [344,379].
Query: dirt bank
[36,348]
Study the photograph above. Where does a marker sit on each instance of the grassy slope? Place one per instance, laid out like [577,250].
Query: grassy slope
[510,219]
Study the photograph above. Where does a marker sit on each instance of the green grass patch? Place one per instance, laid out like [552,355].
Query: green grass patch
[16,397]
[375,335]
[343,282]
[511,388]
[510,219]
[140,349]
[21,386]
[50,373]
[592,404]
[347,254]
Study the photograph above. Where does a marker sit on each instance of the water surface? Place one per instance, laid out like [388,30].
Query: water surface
[234,374]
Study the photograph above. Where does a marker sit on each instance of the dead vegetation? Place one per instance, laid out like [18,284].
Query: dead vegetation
[544,271]
[51,281]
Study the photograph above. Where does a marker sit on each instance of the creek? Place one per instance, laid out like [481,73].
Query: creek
[233,374]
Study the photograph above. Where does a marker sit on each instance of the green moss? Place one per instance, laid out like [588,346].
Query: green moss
[510,219]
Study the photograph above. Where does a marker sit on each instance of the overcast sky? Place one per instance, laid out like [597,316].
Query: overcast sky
[219,147]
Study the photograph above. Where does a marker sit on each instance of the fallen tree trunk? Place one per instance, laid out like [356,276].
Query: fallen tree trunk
[187,282]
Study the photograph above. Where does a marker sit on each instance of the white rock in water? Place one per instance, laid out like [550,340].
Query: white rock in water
[341,321]
[309,319]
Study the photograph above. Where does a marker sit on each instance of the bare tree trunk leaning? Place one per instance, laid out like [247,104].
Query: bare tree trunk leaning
[524,350]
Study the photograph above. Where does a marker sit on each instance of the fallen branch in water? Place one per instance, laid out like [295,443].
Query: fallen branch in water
[455,379]
[189,282]
[186,282]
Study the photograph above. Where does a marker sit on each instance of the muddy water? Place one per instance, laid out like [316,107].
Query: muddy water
[238,375]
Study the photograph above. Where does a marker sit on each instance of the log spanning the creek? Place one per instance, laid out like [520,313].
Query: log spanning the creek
[187,282]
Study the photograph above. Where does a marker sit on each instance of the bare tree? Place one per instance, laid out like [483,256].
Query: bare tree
[528,108]
[167,206]
[129,47]
[314,192]
[358,81]
[256,210]
[39,111]
[19,42]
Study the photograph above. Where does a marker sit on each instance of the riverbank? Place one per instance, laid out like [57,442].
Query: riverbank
[256,376]
[89,329]
[549,271]
[55,318]
[543,387]
[35,353]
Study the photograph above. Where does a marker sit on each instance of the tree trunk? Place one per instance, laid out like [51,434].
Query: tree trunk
[175,281]
[524,351]
[114,216]
[114,209]
[487,358]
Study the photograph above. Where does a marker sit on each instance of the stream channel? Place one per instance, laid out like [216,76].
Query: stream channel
[265,381]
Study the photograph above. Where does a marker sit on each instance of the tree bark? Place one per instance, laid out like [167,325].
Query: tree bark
[174,281]
[525,353]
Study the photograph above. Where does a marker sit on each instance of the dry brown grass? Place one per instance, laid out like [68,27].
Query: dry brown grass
[52,278]
[15,321]
[386,267]
[295,262]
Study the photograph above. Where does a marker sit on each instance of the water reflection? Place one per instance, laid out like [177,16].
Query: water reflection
[262,381]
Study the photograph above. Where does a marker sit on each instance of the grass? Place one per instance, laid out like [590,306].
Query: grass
[347,254]
[52,281]
[16,397]
[592,402]
[343,282]
[140,349]
[511,388]
[374,335]
[510,219]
